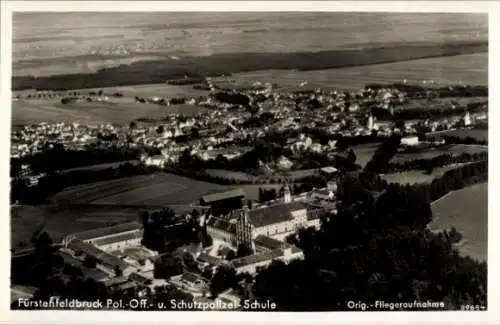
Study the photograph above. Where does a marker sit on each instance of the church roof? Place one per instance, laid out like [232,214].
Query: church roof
[272,214]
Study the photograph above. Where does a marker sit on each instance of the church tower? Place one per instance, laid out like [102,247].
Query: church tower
[287,194]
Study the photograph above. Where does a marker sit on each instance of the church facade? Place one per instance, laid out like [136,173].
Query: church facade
[276,221]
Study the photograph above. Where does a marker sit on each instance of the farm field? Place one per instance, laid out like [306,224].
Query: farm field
[156,190]
[120,111]
[60,221]
[454,70]
[455,149]
[84,43]
[479,134]
[467,211]
[417,176]
[101,166]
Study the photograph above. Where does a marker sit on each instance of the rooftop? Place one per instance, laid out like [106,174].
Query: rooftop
[268,242]
[316,214]
[272,214]
[107,231]
[190,277]
[118,238]
[136,277]
[204,257]
[236,193]
[223,224]
[104,258]
[257,258]
[329,169]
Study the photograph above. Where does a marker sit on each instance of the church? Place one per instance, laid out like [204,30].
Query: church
[276,221]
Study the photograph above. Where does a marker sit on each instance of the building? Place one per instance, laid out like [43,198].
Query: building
[243,226]
[224,202]
[370,124]
[251,264]
[329,171]
[105,262]
[112,238]
[156,161]
[410,140]
[467,119]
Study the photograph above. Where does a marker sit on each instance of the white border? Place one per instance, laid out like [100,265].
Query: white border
[490,317]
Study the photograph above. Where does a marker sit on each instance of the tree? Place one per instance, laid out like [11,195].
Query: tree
[231,255]
[132,125]
[160,130]
[118,271]
[168,266]
[351,157]
[224,278]
[243,250]
[144,217]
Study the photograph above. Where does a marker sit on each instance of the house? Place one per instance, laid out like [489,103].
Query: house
[156,161]
[409,140]
[230,296]
[329,171]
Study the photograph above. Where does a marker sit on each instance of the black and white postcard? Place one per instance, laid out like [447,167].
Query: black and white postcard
[192,157]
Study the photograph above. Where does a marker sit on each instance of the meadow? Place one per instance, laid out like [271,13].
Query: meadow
[120,111]
[453,70]
[417,176]
[145,190]
[467,211]
[85,42]
[454,149]
[59,221]
[478,134]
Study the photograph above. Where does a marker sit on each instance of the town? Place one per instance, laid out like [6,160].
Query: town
[214,252]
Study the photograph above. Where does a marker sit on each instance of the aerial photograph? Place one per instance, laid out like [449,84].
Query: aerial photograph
[249,161]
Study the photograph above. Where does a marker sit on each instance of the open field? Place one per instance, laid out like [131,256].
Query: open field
[101,166]
[83,43]
[60,221]
[418,176]
[460,69]
[454,149]
[123,112]
[467,211]
[155,190]
[479,134]
[443,103]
